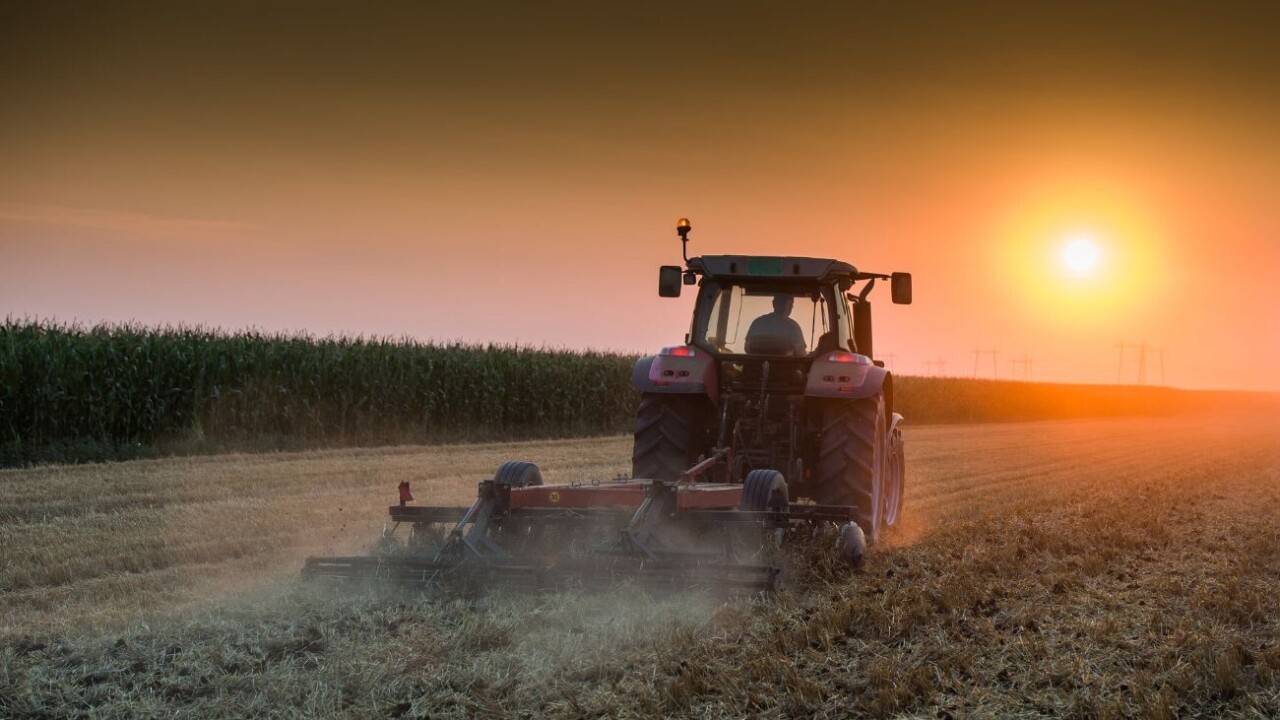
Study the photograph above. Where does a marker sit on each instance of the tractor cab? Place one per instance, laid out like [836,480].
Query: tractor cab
[793,318]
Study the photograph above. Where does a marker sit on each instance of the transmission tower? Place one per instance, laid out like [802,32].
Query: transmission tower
[1143,348]
[1025,362]
[888,359]
[995,355]
[1142,363]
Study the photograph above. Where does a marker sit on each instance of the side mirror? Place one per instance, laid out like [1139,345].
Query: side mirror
[670,278]
[901,285]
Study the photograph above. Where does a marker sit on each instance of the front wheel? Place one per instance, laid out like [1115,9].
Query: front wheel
[894,479]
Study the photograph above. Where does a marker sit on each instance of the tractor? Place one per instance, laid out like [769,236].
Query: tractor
[770,420]
[777,372]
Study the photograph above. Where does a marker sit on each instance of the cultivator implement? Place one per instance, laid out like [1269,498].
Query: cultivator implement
[519,532]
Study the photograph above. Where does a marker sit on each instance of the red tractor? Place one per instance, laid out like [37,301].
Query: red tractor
[777,373]
[773,396]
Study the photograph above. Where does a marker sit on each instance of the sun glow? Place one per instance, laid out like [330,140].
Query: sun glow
[1080,254]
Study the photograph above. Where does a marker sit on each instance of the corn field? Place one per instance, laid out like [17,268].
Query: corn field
[73,393]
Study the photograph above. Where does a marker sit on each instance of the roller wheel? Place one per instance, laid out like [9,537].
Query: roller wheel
[851,460]
[670,433]
[518,474]
[851,545]
[764,490]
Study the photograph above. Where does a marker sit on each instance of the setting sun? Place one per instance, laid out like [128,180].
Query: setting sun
[1080,254]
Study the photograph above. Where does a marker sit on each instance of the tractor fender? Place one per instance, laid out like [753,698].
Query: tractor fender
[894,436]
[854,378]
[680,375]
[894,428]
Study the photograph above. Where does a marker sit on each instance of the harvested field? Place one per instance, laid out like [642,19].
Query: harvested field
[1088,568]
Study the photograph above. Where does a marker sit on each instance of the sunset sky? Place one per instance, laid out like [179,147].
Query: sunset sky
[513,171]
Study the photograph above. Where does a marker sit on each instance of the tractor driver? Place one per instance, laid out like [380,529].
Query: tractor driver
[777,330]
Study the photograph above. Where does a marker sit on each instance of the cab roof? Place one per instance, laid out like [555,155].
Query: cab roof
[773,267]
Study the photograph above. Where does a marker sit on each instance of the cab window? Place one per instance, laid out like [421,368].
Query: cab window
[740,320]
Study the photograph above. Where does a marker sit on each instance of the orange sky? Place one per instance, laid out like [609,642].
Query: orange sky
[512,173]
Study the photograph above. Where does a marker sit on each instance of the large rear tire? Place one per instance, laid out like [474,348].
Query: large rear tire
[851,460]
[670,433]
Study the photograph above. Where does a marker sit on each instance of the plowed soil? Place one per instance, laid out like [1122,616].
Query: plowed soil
[1103,568]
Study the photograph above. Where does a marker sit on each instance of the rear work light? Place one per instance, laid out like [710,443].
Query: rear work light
[679,351]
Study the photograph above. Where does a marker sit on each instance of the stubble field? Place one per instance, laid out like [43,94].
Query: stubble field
[1089,568]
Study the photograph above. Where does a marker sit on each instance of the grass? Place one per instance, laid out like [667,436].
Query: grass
[1107,568]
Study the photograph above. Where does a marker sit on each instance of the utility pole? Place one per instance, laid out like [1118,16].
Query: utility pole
[888,359]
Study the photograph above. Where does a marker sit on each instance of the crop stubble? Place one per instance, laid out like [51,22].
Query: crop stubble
[1079,568]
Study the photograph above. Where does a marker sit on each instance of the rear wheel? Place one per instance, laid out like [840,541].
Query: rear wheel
[851,461]
[670,433]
